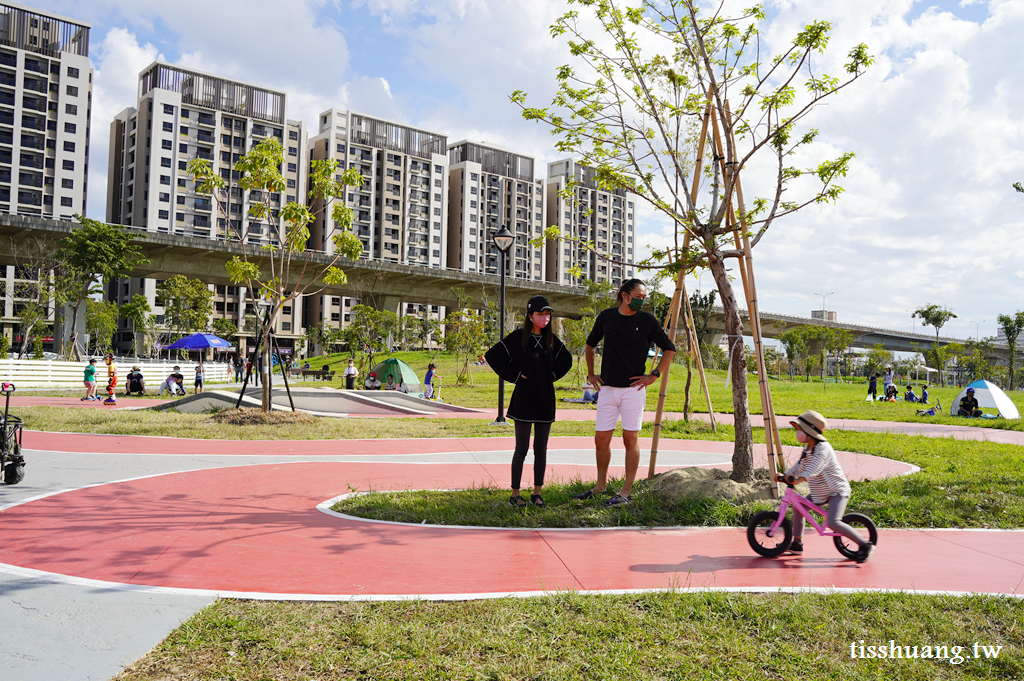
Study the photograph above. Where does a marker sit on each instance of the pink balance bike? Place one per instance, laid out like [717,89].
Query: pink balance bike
[770,532]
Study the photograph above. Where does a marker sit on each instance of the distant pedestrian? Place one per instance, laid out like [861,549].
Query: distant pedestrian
[887,379]
[873,386]
[200,377]
[350,374]
[89,379]
[239,367]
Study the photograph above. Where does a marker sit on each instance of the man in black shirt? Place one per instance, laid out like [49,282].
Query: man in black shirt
[628,333]
[969,405]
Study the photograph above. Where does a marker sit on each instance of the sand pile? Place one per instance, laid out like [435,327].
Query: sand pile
[250,416]
[712,483]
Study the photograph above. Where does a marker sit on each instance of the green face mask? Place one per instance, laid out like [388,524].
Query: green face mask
[636,304]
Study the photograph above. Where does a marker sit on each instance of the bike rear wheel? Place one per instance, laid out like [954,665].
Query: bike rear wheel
[864,526]
[13,466]
[759,539]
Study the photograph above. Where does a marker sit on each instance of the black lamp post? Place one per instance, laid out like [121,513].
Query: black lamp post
[502,240]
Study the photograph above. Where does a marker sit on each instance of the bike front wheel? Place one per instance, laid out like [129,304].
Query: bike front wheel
[767,545]
[864,526]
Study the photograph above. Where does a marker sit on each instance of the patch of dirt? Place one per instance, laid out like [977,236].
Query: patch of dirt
[712,483]
[251,416]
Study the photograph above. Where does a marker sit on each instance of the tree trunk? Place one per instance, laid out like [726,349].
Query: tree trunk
[743,447]
[264,370]
[686,391]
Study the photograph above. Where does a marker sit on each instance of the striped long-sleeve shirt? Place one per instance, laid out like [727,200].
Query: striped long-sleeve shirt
[824,476]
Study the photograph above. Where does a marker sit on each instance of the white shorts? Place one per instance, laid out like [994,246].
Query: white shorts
[628,403]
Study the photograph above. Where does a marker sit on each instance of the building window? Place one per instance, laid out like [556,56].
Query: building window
[165,197]
[69,146]
[168,126]
[70,127]
[182,165]
[72,90]
[165,162]
[67,183]
[165,179]
[438,169]
[183,148]
[180,217]
[341,148]
[72,72]
[70,109]
[166,144]
[293,134]
[291,184]
[69,165]
[292,168]
[169,109]
[66,201]
[292,151]
[474,177]
[163,214]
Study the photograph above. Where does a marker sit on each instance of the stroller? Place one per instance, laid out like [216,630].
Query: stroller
[12,463]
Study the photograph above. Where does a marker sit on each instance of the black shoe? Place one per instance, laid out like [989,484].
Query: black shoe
[537,501]
[591,493]
[517,501]
[865,552]
[797,546]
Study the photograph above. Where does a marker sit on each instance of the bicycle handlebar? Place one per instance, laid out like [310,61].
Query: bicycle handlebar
[7,388]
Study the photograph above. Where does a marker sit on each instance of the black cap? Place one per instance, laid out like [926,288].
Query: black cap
[537,304]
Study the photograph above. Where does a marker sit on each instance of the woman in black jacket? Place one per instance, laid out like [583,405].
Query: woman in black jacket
[532,358]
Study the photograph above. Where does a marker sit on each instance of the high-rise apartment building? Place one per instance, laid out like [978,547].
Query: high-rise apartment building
[607,219]
[182,115]
[45,110]
[489,187]
[399,213]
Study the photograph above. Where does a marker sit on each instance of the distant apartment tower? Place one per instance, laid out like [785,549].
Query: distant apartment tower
[399,213]
[489,187]
[183,115]
[45,110]
[605,218]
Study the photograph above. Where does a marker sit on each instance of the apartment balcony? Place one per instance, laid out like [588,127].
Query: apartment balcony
[207,120]
[204,136]
[203,205]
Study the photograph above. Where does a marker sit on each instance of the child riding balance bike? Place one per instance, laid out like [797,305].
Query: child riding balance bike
[771,533]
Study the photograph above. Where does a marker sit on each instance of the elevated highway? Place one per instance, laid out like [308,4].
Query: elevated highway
[385,284]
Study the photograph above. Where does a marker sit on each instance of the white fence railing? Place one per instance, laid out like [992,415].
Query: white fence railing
[37,373]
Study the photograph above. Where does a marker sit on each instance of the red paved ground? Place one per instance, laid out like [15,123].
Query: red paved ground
[256,530]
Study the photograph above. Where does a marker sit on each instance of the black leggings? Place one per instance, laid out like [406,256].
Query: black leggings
[540,451]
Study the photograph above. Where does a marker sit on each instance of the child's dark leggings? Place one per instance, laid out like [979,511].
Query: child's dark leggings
[540,451]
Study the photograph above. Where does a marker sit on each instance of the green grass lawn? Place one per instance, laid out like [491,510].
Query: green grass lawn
[835,400]
[572,637]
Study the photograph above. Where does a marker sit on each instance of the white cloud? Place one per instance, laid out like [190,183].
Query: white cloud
[117,62]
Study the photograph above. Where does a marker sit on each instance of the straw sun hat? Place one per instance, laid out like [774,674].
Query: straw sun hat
[812,423]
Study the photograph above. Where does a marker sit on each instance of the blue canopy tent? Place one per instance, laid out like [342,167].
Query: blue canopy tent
[198,341]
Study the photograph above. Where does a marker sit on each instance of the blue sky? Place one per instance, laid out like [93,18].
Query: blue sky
[936,125]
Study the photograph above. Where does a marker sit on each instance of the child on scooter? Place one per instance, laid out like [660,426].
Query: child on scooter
[820,468]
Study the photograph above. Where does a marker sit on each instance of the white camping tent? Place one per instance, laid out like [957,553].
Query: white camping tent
[989,396]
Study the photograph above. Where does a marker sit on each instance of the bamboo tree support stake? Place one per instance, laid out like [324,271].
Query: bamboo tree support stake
[672,319]
[772,437]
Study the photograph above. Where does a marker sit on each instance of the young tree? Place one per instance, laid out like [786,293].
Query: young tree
[1012,326]
[137,313]
[101,323]
[187,304]
[575,331]
[288,255]
[629,114]
[878,358]
[423,328]
[369,331]
[465,336]
[40,282]
[92,253]
[224,328]
[933,315]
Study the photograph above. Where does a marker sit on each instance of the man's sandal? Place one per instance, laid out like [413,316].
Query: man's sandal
[591,493]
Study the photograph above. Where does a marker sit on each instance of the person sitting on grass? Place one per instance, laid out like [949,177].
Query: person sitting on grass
[371,382]
[820,468]
[924,394]
[891,393]
[390,385]
[969,405]
[910,395]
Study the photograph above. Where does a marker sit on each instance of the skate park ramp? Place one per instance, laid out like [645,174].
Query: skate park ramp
[320,402]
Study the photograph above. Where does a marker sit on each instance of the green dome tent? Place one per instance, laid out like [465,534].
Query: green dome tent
[396,367]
